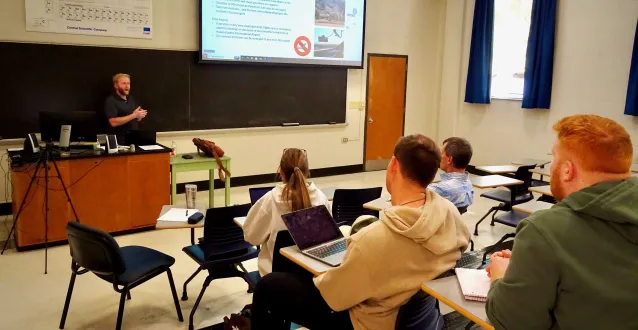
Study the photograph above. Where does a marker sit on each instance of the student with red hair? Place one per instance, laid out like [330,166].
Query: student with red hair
[575,266]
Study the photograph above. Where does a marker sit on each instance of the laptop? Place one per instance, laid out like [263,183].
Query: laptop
[316,234]
[257,193]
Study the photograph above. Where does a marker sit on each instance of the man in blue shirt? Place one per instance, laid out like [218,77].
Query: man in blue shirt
[455,184]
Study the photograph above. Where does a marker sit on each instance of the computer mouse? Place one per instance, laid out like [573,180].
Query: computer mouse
[187,156]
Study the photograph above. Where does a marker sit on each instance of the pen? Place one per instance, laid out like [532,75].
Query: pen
[186,212]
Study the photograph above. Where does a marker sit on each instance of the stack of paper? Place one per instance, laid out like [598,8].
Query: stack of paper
[177,214]
[475,283]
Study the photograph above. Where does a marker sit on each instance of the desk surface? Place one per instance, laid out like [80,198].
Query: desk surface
[493,181]
[90,153]
[178,160]
[176,224]
[544,190]
[532,206]
[634,168]
[314,266]
[498,169]
[240,221]
[448,291]
[530,161]
[542,171]
[329,192]
[378,204]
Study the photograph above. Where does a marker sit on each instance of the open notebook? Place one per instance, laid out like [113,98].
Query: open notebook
[475,284]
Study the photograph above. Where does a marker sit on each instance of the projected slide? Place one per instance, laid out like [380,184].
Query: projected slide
[322,32]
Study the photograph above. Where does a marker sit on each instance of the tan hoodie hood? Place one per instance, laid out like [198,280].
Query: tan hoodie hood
[427,226]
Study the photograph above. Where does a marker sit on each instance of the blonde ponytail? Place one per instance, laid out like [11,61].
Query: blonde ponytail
[294,169]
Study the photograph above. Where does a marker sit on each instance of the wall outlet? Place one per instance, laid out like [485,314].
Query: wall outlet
[344,140]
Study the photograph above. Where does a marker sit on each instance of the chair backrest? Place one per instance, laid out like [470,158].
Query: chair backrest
[257,193]
[524,175]
[94,249]
[221,234]
[420,312]
[279,262]
[347,204]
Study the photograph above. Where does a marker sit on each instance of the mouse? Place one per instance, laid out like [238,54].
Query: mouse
[187,156]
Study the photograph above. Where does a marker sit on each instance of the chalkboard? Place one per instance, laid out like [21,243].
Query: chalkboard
[179,93]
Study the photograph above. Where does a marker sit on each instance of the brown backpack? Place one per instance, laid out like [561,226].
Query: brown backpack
[210,149]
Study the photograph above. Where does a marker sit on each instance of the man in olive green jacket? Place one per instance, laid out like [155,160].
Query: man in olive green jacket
[575,266]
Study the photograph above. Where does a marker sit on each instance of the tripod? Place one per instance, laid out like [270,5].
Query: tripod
[43,162]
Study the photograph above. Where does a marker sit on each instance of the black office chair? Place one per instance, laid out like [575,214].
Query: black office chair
[347,204]
[222,251]
[421,312]
[257,193]
[514,195]
[95,251]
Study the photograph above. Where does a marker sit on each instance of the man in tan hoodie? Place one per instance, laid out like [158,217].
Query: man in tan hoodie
[418,238]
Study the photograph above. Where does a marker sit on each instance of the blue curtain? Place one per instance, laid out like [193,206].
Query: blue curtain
[539,61]
[631,104]
[479,73]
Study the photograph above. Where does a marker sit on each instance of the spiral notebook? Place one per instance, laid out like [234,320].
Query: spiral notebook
[475,284]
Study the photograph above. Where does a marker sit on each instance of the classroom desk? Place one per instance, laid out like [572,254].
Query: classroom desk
[634,168]
[199,163]
[179,225]
[448,291]
[532,206]
[498,169]
[544,190]
[315,267]
[378,204]
[541,171]
[111,192]
[493,181]
[329,192]
[531,161]
[240,221]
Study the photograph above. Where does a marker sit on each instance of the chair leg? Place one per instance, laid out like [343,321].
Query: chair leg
[251,289]
[493,216]
[184,293]
[174,292]
[67,302]
[471,245]
[128,295]
[469,325]
[120,312]
[493,209]
[199,298]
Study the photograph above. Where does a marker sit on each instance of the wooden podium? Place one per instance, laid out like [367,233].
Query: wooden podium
[114,193]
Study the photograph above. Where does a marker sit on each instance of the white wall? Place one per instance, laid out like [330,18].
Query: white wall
[412,27]
[591,67]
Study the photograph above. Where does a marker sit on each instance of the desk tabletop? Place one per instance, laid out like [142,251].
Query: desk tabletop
[316,267]
[179,224]
[542,171]
[493,181]
[634,168]
[531,161]
[448,291]
[378,204]
[544,190]
[532,206]
[329,192]
[240,221]
[178,160]
[498,169]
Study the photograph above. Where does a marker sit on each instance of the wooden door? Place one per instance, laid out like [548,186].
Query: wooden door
[100,192]
[31,223]
[385,108]
[149,187]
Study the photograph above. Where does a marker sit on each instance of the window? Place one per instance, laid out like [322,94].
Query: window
[511,30]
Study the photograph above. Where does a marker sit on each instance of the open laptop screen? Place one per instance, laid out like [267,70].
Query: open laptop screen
[311,227]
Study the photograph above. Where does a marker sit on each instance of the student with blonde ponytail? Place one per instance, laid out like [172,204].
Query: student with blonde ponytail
[294,193]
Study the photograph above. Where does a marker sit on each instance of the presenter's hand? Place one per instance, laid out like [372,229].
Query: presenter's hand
[140,113]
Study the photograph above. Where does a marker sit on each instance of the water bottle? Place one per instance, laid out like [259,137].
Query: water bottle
[173,148]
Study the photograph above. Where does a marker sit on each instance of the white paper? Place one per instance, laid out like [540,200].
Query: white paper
[475,284]
[117,18]
[151,147]
[14,149]
[177,214]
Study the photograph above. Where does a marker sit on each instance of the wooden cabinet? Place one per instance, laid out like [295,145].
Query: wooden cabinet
[111,193]
[145,195]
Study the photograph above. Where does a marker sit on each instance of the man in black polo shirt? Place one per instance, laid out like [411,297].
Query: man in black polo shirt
[120,108]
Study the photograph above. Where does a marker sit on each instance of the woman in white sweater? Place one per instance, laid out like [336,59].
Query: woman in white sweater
[294,193]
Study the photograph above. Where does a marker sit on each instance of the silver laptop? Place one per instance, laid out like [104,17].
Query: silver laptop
[316,234]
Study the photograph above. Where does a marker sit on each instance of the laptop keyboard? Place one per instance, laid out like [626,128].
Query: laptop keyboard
[328,250]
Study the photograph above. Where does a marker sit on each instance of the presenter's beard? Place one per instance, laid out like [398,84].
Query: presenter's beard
[123,91]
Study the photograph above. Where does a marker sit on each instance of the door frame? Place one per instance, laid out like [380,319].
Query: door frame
[405,94]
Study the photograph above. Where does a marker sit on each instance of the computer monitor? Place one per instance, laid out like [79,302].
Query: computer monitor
[83,125]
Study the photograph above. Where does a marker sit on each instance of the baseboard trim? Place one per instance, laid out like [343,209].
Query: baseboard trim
[250,180]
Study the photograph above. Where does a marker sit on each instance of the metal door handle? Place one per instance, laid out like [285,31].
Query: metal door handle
[370,121]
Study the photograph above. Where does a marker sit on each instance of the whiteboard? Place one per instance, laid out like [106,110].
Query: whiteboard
[116,18]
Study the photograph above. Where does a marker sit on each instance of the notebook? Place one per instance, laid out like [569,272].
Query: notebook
[475,284]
